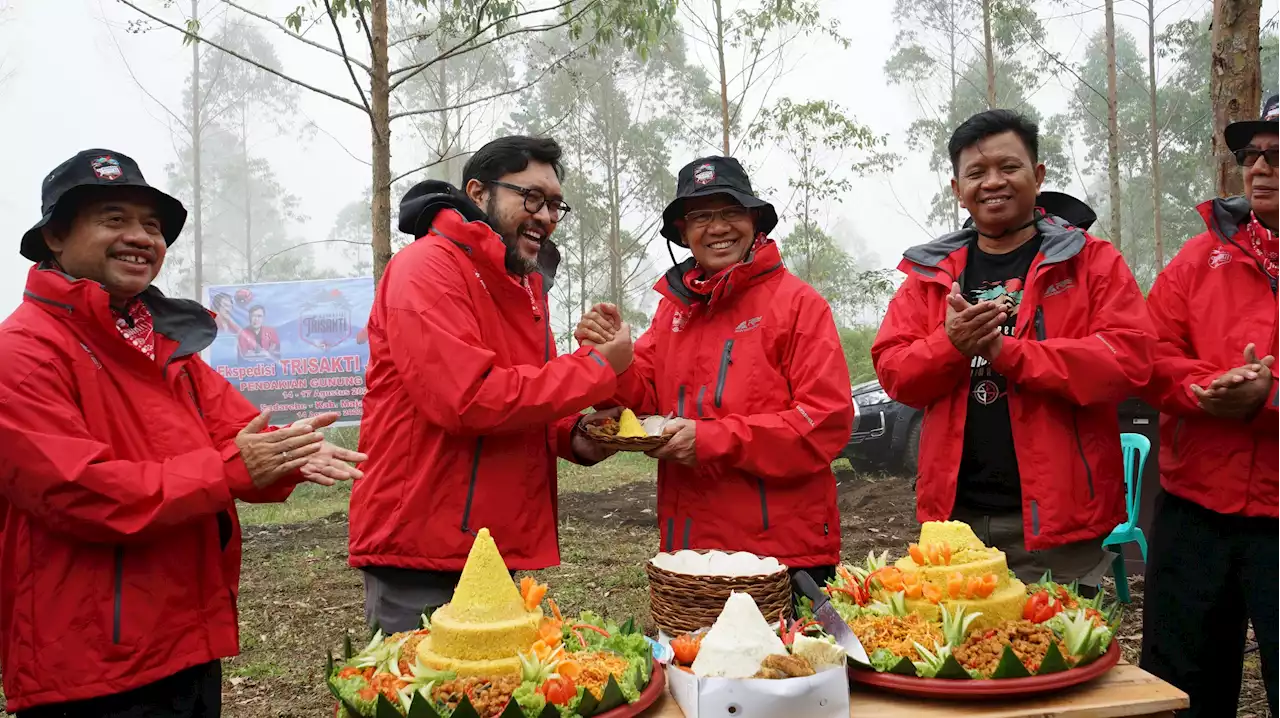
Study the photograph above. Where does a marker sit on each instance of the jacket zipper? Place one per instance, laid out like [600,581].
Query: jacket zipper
[1088,472]
[471,486]
[1041,334]
[702,391]
[119,589]
[726,358]
[764,504]
[1177,434]
[680,402]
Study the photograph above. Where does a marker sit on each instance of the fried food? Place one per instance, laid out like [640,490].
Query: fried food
[1030,642]
[489,696]
[777,667]
[896,633]
[597,666]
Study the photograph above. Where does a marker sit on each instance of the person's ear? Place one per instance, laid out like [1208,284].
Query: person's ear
[477,192]
[1039,176]
[54,239]
[955,189]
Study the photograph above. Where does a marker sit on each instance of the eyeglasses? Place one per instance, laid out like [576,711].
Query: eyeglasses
[704,217]
[1248,156]
[535,200]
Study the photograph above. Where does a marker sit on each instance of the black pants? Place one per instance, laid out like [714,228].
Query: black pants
[193,693]
[1208,575]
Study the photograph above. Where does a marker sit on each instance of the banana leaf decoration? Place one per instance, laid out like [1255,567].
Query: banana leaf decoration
[1010,666]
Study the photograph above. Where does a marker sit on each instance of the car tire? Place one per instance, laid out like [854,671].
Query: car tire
[911,450]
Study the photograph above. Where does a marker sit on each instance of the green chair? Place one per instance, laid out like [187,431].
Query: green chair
[1135,448]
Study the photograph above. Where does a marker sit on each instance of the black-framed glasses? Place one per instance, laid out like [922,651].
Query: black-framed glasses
[535,200]
[1248,156]
[704,217]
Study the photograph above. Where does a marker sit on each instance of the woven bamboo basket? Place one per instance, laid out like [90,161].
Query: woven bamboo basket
[605,433]
[681,602]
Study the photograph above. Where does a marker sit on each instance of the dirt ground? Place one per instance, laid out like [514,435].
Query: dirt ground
[298,596]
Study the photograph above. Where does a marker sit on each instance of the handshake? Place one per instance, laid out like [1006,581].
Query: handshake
[602,328]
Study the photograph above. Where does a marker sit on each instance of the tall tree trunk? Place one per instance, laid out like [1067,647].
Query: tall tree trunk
[1157,189]
[197,222]
[951,101]
[1234,80]
[724,83]
[248,193]
[1113,128]
[990,54]
[380,121]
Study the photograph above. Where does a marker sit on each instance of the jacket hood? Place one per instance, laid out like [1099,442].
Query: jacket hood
[1060,242]
[763,262]
[87,303]
[1224,215]
[424,202]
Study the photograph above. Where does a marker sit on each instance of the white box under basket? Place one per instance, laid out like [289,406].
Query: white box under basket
[822,695]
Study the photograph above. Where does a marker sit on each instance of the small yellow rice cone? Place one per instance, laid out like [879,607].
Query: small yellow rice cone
[629,426]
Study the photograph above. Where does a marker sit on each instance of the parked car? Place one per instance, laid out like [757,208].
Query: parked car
[885,432]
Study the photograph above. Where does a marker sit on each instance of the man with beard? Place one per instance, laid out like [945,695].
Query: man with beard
[468,404]
[1018,337]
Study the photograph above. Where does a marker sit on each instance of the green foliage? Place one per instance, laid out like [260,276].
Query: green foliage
[934,56]
[1185,123]
[857,353]
[617,122]
[247,214]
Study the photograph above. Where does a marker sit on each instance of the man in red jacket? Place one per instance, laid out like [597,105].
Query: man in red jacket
[1214,548]
[468,405]
[1018,338]
[747,357]
[121,456]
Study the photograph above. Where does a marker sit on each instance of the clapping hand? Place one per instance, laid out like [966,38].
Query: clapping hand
[271,455]
[1240,392]
[974,328]
[331,463]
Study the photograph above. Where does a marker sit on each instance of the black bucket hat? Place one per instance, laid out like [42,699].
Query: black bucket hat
[714,175]
[74,179]
[1238,134]
[1063,206]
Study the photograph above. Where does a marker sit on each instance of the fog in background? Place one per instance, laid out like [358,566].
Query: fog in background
[75,74]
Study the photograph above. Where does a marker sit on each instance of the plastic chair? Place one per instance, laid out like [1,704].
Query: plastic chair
[1135,448]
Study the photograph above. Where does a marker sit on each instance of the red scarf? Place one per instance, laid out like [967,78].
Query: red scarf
[142,334]
[1263,244]
[697,281]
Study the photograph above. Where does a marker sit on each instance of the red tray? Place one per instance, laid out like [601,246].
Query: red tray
[972,690]
[649,696]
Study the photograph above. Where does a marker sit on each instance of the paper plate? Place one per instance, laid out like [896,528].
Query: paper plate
[985,689]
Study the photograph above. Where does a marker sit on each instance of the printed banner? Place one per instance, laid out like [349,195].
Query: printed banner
[296,348]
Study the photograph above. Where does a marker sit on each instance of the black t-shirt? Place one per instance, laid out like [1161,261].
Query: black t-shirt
[988,478]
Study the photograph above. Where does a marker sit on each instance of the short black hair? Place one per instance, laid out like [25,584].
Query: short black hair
[510,154]
[258,308]
[993,122]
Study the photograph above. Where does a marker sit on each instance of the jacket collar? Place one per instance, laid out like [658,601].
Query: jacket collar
[1059,242]
[86,304]
[1224,216]
[763,262]
[477,239]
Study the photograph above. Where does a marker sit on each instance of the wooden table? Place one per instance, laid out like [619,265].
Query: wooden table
[1125,690]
